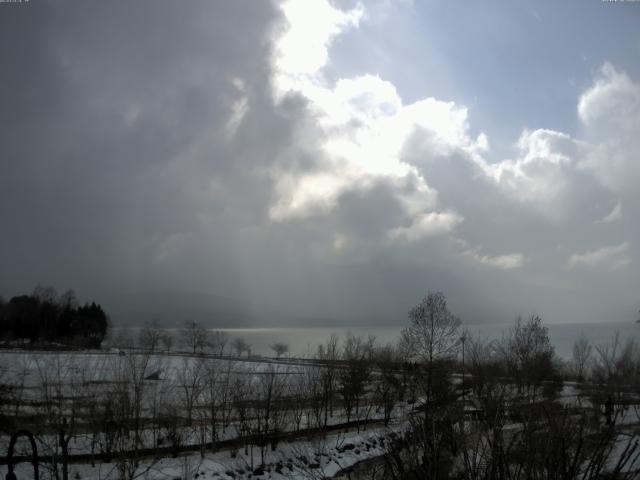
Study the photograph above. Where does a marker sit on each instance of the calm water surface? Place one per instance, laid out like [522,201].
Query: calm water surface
[305,341]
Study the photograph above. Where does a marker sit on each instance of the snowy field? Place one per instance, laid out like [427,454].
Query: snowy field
[63,385]
[188,416]
[294,460]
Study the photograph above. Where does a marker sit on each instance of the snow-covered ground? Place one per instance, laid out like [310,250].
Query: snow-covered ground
[71,376]
[90,375]
[303,459]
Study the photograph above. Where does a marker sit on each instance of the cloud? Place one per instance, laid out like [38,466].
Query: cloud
[502,262]
[613,98]
[365,127]
[538,202]
[302,49]
[610,257]
[145,127]
[610,113]
[239,108]
[614,215]
[550,175]
[433,223]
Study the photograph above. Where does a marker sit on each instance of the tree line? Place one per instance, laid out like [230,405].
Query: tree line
[44,318]
[510,408]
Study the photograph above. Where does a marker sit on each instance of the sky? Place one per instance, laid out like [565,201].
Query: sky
[316,162]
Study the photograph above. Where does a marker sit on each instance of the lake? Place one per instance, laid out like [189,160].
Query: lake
[305,341]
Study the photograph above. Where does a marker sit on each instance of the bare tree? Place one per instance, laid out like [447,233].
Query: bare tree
[297,393]
[123,339]
[167,340]
[268,409]
[329,355]
[240,346]
[214,393]
[170,428]
[616,367]
[226,394]
[92,380]
[150,336]
[190,377]
[279,348]
[386,382]
[14,393]
[433,331]
[241,390]
[219,341]
[316,411]
[581,355]
[68,299]
[484,364]
[45,293]
[529,354]
[550,442]
[432,335]
[59,408]
[370,347]
[125,413]
[354,376]
[194,336]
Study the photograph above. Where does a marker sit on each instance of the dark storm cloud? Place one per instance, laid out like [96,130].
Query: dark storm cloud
[112,123]
[120,178]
